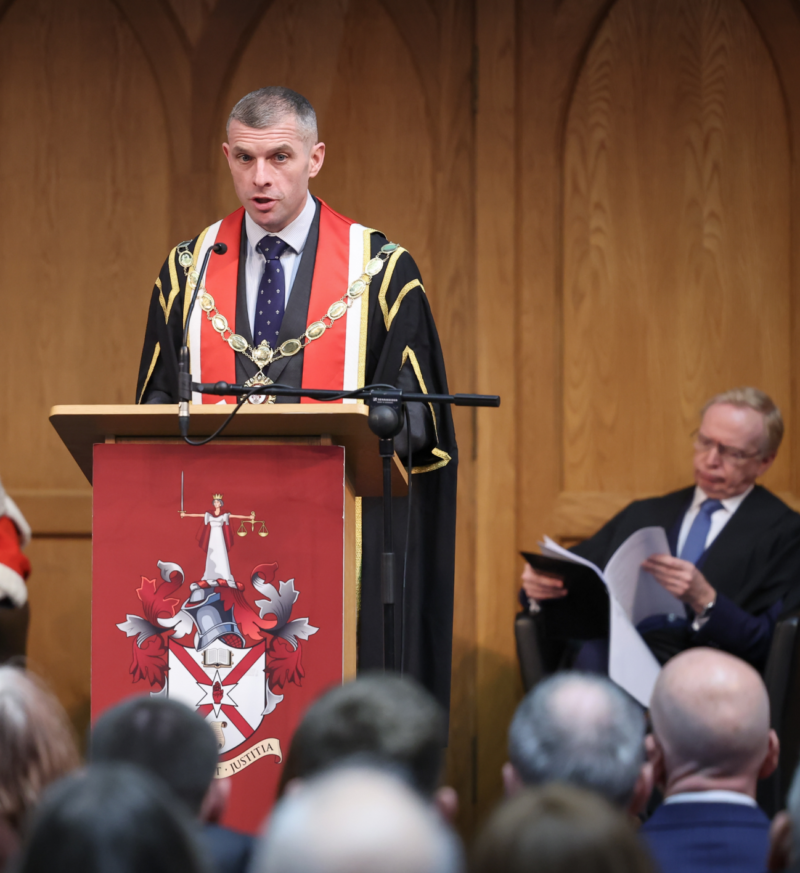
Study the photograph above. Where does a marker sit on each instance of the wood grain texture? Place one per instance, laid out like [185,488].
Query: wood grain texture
[83,169]
[779,24]
[59,640]
[551,45]
[676,231]
[370,172]
[498,682]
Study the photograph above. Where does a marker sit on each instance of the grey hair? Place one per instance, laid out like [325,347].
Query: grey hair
[603,750]
[267,106]
[753,398]
[354,818]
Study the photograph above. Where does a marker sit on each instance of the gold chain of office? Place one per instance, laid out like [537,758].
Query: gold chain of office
[263,354]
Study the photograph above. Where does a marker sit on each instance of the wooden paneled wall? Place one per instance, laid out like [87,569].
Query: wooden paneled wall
[601,195]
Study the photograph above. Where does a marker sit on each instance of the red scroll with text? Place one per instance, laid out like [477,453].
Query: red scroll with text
[218,581]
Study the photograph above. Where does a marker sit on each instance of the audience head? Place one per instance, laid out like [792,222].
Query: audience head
[739,435]
[109,817]
[784,853]
[584,730]
[356,820]
[37,745]
[711,724]
[166,738]
[381,716]
[558,829]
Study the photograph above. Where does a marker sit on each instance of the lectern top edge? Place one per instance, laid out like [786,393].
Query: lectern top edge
[80,427]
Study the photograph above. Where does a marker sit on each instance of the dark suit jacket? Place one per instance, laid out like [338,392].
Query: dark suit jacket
[754,564]
[706,837]
[228,850]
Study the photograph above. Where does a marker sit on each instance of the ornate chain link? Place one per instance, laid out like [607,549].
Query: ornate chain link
[263,354]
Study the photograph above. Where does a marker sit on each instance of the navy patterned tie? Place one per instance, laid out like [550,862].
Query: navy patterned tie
[695,543]
[271,300]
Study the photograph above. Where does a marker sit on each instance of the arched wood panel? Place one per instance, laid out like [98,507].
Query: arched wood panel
[379,163]
[676,237]
[84,163]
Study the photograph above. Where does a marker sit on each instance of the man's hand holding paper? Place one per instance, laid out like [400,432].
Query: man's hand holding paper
[542,586]
[682,579]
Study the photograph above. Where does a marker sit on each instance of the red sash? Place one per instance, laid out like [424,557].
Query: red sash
[324,358]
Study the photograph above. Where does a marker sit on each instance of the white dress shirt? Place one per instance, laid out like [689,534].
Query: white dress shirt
[713,795]
[295,234]
[718,519]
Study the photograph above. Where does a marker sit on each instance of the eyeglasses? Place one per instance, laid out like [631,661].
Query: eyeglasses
[702,445]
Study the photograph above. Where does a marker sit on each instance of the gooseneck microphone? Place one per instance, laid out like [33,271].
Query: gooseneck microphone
[184,368]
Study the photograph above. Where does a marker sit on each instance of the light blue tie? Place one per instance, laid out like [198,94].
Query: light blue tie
[695,543]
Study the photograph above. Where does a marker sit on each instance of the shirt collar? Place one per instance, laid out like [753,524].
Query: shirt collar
[716,795]
[730,504]
[295,233]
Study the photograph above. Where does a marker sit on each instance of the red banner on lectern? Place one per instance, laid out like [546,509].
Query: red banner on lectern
[218,577]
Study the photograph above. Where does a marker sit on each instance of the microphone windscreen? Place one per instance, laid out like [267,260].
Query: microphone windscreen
[220,248]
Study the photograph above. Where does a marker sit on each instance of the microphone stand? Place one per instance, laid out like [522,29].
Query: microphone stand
[184,366]
[386,422]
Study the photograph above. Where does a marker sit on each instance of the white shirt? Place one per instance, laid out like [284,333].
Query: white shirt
[296,234]
[713,795]
[718,519]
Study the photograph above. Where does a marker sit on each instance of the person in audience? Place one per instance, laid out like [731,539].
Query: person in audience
[352,819]
[15,534]
[711,743]
[110,818]
[784,836]
[37,746]
[735,547]
[381,716]
[584,730]
[558,829]
[175,744]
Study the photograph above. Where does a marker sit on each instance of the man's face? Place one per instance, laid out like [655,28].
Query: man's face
[739,429]
[271,167]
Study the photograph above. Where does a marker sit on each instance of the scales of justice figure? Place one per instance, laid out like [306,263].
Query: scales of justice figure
[206,608]
[217,539]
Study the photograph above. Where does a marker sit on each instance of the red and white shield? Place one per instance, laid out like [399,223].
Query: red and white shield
[227,686]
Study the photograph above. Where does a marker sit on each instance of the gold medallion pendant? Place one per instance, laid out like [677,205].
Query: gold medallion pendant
[259,379]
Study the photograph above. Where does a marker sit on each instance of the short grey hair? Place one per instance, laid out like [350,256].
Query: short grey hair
[753,398]
[356,818]
[580,729]
[267,106]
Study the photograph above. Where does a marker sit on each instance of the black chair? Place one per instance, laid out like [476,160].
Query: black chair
[781,676]
[13,633]
[528,651]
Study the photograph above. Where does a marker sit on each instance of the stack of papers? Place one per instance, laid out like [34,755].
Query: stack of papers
[633,596]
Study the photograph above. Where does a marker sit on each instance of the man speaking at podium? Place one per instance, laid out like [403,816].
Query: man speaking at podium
[307,298]
[735,558]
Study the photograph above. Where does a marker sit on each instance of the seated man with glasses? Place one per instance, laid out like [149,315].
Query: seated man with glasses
[735,547]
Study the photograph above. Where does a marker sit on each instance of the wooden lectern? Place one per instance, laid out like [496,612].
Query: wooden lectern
[227,576]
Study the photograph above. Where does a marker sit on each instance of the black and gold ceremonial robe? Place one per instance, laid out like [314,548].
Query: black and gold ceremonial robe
[401,348]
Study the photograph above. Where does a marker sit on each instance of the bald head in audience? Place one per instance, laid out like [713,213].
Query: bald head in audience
[711,725]
[356,819]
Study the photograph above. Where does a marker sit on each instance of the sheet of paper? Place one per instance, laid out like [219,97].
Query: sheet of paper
[630,663]
[633,596]
[552,549]
[637,591]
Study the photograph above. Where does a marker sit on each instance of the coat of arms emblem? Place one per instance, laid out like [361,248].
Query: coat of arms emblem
[225,647]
